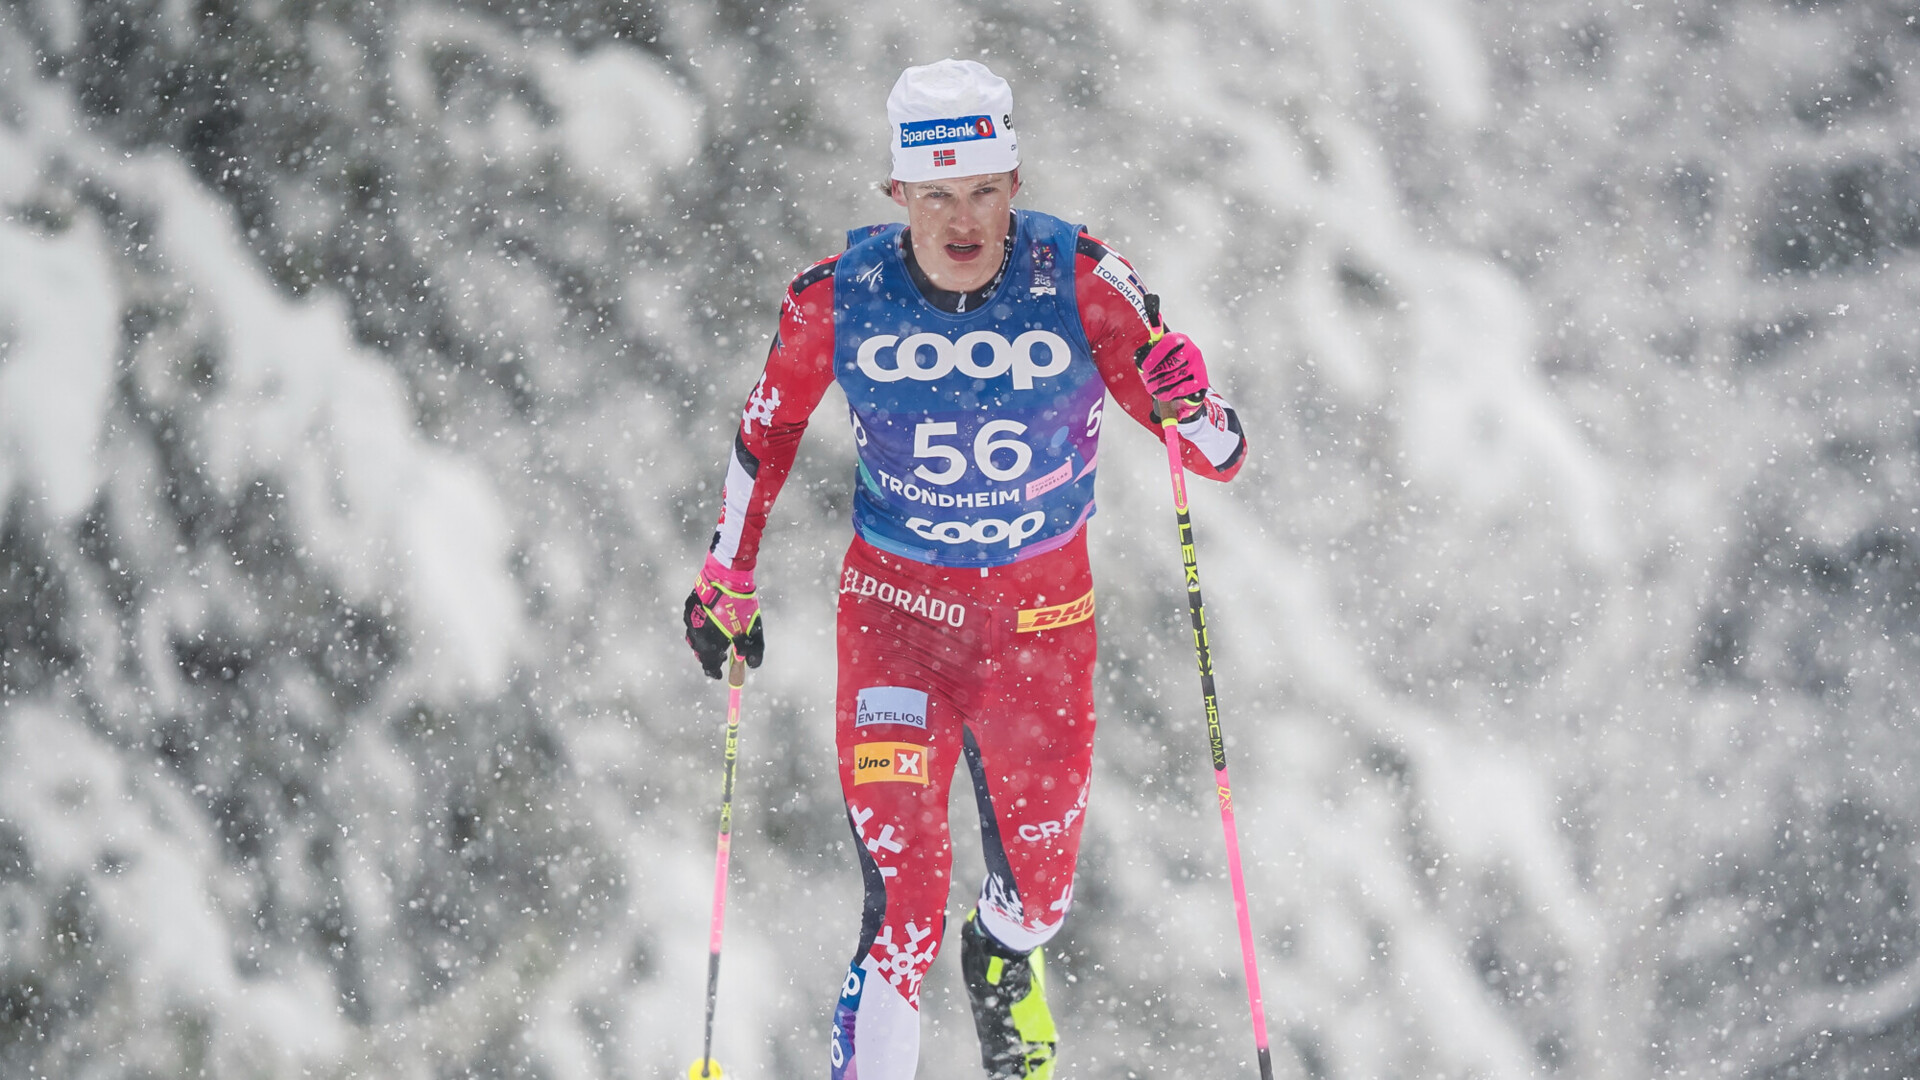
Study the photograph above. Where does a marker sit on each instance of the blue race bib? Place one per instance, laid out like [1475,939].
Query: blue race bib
[977,431]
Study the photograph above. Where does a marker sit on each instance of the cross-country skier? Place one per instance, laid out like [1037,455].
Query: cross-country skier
[976,347]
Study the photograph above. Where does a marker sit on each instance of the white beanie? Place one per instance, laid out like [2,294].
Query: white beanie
[951,118]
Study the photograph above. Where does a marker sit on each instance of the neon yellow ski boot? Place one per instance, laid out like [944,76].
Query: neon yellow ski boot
[1009,996]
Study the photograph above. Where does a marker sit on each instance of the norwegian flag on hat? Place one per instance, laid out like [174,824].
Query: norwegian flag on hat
[942,157]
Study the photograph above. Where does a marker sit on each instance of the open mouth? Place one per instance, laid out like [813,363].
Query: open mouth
[962,252]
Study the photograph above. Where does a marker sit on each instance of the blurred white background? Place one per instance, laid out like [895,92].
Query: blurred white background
[366,372]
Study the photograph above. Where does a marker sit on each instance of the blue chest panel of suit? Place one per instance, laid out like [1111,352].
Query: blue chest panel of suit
[977,431]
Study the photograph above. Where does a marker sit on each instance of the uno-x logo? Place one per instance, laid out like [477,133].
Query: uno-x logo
[889,763]
[985,531]
[947,356]
[1050,618]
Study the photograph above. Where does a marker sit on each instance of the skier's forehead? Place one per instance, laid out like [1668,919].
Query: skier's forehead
[959,183]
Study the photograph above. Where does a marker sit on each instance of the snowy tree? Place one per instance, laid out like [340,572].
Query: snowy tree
[366,372]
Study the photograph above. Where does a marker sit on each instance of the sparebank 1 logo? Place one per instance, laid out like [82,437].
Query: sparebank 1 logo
[951,130]
[926,357]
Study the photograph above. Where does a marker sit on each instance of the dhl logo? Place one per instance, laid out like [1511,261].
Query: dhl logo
[1051,618]
[889,763]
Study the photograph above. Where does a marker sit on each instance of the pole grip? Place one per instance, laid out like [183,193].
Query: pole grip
[1165,411]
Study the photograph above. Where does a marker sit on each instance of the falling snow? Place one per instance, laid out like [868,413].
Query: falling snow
[366,373]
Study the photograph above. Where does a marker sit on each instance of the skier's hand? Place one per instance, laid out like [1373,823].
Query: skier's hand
[723,615]
[1173,370]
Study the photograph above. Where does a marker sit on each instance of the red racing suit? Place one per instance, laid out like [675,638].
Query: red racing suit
[938,664]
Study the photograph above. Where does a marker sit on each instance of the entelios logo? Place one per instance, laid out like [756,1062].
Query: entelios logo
[985,531]
[943,357]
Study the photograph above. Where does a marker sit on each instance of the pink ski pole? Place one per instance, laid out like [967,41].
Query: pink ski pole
[707,1068]
[1204,654]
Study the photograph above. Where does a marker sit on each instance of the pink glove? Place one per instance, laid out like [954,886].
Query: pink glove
[723,616]
[1173,368]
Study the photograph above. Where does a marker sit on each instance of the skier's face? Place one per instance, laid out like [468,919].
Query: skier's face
[959,226]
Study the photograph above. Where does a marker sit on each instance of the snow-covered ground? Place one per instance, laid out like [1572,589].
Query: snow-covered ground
[365,376]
